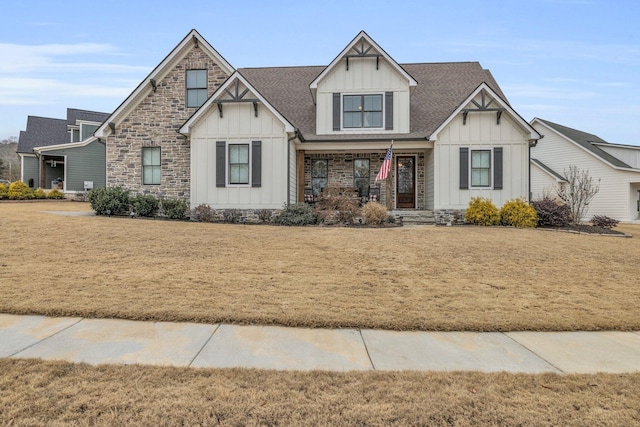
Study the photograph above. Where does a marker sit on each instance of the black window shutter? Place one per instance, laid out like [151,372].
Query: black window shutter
[497,168]
[388,110]
[464,168]
[336,111]
[256,163]
[220,163]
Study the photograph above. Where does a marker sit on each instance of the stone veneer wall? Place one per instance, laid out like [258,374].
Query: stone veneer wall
[154,123]
[341,171]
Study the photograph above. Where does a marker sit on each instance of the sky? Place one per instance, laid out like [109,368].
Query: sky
[573,62]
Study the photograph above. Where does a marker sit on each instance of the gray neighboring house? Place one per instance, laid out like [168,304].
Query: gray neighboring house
[63,154]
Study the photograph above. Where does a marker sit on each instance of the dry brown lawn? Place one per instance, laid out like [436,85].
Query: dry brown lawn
[38,393]
[438,278]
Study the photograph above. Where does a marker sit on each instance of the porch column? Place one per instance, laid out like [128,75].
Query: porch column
[300,175]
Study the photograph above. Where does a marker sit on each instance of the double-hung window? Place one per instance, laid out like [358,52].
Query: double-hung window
[196,87]
[238,164]
[480,168]
[319,175]
[151,165]
[362,111]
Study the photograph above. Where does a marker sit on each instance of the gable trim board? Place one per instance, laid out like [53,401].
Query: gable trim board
[147,85]
[553,174]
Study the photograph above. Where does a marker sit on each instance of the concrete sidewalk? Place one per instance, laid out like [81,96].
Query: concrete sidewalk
[98,341]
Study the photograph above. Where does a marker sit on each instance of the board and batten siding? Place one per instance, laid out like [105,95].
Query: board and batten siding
[613,199]
[481,132]
[30,170]
[84,163]
[239,125]
[362,78]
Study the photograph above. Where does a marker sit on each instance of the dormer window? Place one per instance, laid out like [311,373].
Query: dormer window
[362,111]
[196,88]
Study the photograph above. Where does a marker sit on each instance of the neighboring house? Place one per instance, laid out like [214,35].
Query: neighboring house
[614,167]
[260,138]
[63,154]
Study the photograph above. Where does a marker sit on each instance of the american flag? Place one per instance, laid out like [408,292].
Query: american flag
[386,165]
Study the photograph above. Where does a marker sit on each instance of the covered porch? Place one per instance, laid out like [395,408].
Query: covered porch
[52,172]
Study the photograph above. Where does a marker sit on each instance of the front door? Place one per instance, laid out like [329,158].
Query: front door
[405,182]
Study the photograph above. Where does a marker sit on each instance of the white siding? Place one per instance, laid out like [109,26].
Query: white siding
[239,124]
[613,199]
[630,156]
[362,77]
[541,183]
[480,132]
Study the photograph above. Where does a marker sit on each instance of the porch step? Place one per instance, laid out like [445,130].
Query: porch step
[414,217]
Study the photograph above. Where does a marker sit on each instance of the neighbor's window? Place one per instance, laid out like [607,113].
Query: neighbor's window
[361,176]
[87,131]
[75,135]
[480,168]
[238,163]
[151,165]
[319,175]
[196,87]
[362,111]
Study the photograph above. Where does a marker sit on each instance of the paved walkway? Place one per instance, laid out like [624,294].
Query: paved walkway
[98,341]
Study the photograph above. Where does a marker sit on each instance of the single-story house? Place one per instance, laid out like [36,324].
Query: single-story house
[63,154]
[259,138]
[614,167]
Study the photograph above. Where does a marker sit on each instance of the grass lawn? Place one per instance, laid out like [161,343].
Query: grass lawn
[454,278]
[438,278]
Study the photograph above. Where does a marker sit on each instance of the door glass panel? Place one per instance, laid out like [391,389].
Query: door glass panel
[405,175]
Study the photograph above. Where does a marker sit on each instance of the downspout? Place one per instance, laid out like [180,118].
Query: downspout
[532,143]
[295,135]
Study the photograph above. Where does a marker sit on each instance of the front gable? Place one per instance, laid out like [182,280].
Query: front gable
[363,90]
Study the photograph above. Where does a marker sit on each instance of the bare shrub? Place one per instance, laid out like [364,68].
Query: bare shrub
[578,192]
[604,221]
[374,213]
[204,213]
[336,207]
[264,214]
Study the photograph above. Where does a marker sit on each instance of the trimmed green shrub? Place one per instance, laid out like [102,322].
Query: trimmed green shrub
[296,214]
[145,205]
[39,194]
[109,201]
[18,190]
[482,211]
[4,192]
[204,213]
[604,221]
[552,212]
[374,213]
[174,209]
[518,213]
[55,194]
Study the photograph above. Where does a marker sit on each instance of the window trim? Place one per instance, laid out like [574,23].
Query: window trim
[363,128]
[228,164]
[159,165]
[490,169]
[187,88]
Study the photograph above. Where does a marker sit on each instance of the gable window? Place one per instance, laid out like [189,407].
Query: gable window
[362,111]
[319,175]
[480,168]
[151,165]
[238,164]
[361,176]
[196,87]
[87,131]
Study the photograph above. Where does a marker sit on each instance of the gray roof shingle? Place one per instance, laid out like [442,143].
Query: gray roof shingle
[585,140]
[73,114]
[442,87]
[41,132]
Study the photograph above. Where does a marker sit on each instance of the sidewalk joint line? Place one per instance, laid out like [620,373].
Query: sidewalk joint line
[367,350]
[205,344]
[532,352]
[50,336]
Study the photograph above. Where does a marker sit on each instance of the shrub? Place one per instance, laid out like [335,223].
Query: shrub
[264,214]
[391,219]
[335,207]
[174,209]
[55,194]
[145,205]
[296,214]
[551,212]
[604,221]
[231,215]
[39,194]
[4,192]
[18,190]
[204,213]
[109,201]
[518,213]
[374,213]
[482,211]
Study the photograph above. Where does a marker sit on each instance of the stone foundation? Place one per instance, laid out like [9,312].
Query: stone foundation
[449,216]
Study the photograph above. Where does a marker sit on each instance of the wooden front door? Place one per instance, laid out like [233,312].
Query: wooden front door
[405,182]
